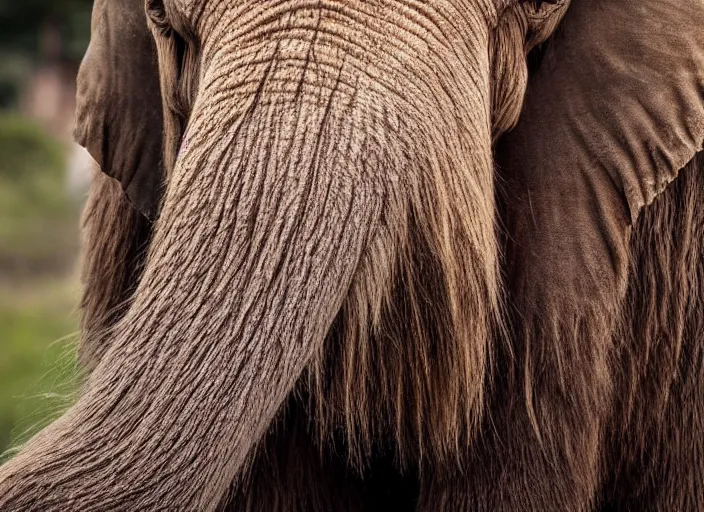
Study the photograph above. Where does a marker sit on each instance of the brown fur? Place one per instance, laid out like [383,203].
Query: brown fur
[653,434]
[654,459]
[115,241]
[594,146]
[647,440]
[179,68]
[540,444]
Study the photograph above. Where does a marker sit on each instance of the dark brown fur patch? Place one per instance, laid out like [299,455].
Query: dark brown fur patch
[654,458]
[646,446]
[115,240]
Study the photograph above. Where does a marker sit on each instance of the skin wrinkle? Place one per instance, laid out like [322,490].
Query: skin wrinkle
[431,67]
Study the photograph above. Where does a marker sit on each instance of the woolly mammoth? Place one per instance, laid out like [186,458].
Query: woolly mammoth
[308,287]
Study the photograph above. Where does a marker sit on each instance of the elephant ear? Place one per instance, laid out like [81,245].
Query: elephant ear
[614,111]
[119,116]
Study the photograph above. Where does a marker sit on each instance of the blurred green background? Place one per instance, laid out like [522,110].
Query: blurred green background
[43,181]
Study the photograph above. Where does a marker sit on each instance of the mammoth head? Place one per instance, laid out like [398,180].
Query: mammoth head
[635,83]
[611,114]
[132,124]
[449,74]
[330,164]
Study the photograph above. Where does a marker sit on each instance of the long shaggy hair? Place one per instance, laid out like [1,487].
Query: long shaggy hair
[115,240]
[645,438]
[657,367]
[654,458]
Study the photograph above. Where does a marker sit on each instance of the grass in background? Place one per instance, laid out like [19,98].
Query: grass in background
[38,293]
[38,222]
[37,361]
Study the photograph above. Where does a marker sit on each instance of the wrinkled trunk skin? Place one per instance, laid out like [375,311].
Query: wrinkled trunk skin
[320,179]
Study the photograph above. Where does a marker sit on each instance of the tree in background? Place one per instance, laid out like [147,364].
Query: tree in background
[43,32]
[41,45]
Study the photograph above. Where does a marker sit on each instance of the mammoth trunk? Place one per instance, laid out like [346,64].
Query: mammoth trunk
[405,360]
[302,141]
[319,221]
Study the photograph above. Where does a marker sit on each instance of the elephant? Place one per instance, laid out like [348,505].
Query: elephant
[406,255]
